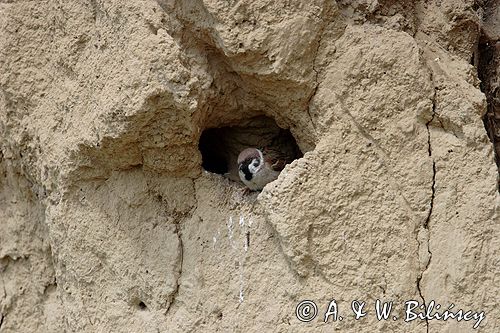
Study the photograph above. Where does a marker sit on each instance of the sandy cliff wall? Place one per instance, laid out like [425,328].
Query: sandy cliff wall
[108,223]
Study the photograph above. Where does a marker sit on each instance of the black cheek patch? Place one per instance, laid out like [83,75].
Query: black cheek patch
[245,170]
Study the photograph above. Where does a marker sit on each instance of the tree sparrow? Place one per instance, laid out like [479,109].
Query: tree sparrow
[259,167]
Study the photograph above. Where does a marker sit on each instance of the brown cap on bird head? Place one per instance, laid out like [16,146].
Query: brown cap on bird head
[248,153]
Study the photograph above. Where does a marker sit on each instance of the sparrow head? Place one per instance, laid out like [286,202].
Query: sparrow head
[250,161]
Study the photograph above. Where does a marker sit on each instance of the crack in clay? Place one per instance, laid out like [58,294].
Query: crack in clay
[180,263]
[487,63]
[311,98]
[316,72]
[425,225]
[384,156]
[5,296]
[317,270]
[280,241]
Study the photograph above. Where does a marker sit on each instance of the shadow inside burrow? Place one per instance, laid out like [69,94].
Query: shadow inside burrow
[221,146]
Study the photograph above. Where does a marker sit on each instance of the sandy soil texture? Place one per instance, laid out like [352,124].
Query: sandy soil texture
[109,222]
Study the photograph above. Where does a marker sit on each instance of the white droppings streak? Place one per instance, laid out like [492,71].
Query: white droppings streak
[241,294]
[230,226]
[240,250]
[241,283]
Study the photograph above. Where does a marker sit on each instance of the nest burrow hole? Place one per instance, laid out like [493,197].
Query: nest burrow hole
[221,146]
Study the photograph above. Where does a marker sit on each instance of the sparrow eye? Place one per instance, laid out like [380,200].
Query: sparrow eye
[256,164]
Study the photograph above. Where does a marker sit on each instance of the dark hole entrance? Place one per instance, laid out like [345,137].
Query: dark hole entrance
[221,146]
[212,151]
[142,305]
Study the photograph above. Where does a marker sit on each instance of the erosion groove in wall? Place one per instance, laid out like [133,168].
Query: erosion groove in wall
[488,65]
[121,207]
